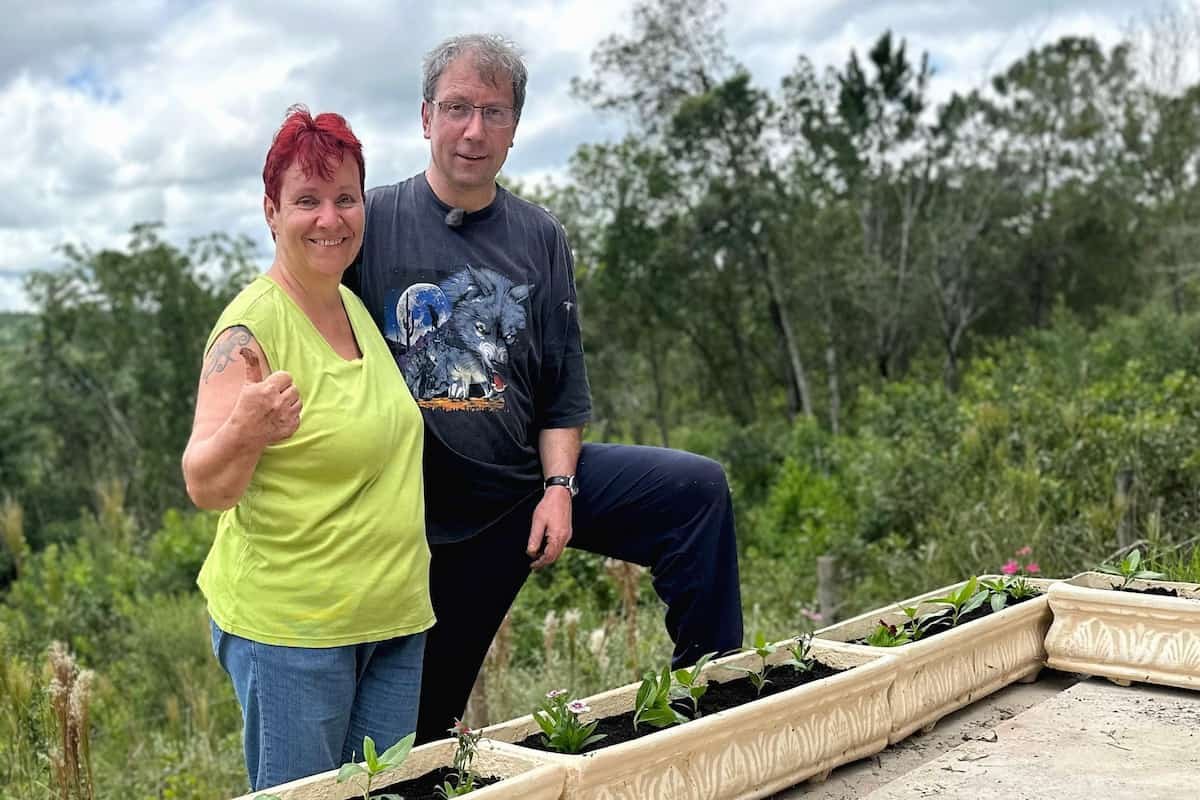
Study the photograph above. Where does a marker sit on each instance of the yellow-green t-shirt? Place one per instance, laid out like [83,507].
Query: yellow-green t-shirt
[327,545]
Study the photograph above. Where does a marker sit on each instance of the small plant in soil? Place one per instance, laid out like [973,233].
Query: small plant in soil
[653,703]
[764,650]
[888,635]
[718,696]
[916,625]
[687,684]
[966,599]
[801,649]
[1129,569]
[374,764]
[1003,589]
[463,780]
[559,721]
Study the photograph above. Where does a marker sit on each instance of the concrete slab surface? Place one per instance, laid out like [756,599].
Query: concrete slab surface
[1092,740]
[853,781]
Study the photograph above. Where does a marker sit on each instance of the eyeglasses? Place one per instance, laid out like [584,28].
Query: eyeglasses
[493,116]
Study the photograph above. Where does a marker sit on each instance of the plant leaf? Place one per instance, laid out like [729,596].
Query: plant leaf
[544,722]
[975,602]
[394,756]
[645,692]
[369,755]
[348,771]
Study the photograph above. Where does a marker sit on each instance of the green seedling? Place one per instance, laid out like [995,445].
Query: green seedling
[758,677]
[687,684]
[968,598]
[653,704]
[802,659]
[374,764]
[1129,569]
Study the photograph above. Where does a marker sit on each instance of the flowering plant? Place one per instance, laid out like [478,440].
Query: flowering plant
[1019,566]
[559,720]
[463,778]
[1013,584]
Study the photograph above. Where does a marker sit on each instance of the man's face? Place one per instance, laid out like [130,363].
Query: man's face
[467,155]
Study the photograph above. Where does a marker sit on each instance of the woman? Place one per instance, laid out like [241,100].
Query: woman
[307,438]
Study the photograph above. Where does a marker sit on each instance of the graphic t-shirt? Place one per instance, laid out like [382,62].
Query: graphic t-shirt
[481,319]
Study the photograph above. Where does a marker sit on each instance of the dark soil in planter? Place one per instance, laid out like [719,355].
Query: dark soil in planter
[425,786]
[719,697]
[1161,591]
[942,621]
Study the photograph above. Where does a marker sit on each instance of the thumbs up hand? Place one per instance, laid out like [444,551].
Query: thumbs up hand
[268,406]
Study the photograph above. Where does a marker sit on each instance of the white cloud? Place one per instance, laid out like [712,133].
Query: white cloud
[122,112]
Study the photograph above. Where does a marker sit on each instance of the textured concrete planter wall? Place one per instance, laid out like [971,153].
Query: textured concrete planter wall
[943,673]
[1125,636]
[526,775]
[749,751]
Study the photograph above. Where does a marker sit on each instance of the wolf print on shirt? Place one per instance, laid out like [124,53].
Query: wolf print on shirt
[455,338]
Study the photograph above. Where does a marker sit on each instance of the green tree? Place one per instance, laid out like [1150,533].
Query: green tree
[1062,108]
[113,361]
[865,136]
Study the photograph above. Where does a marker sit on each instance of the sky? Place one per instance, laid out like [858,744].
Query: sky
[115,113]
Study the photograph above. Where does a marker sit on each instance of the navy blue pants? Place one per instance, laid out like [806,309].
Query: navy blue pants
[664,509]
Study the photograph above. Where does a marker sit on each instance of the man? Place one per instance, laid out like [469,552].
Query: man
[474,291]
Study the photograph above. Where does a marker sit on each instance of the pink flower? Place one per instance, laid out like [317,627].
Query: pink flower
[815,616]
[1011,567]
[1024,551]
[1032,568]
[553,693]
[578,707]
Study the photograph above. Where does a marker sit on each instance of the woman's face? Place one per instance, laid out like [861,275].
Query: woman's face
[318,224]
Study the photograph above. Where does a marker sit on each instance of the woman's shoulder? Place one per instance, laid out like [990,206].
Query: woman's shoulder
[255,307]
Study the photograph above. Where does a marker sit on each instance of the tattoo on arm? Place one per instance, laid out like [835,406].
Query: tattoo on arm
[221,355]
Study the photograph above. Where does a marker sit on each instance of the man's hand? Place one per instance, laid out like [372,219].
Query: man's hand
[551,527]
[268,406]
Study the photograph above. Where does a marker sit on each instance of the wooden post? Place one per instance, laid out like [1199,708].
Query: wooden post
[1123,499]
[827,588]
[476,715]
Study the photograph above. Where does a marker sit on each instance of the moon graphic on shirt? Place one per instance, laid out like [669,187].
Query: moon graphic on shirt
[422,308]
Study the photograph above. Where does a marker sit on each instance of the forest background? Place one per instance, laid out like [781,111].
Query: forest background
[918,338]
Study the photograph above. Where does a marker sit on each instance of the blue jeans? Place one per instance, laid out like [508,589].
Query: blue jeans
[307,709]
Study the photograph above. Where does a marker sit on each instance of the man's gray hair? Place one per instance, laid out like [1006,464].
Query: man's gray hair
[495,58]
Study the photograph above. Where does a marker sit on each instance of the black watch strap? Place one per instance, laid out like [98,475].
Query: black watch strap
[567,481]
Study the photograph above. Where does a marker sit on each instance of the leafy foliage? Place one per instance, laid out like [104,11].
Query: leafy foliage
[653,702]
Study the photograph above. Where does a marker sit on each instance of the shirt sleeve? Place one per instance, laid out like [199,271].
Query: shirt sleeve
[564,399]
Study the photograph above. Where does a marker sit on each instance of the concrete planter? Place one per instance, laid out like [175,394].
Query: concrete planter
[526,775]
[943,673]
[1125,636]
[749,751]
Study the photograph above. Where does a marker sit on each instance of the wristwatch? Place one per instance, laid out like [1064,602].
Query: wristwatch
[567,481]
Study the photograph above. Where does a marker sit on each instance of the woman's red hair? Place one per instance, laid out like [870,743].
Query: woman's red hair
[318,145]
